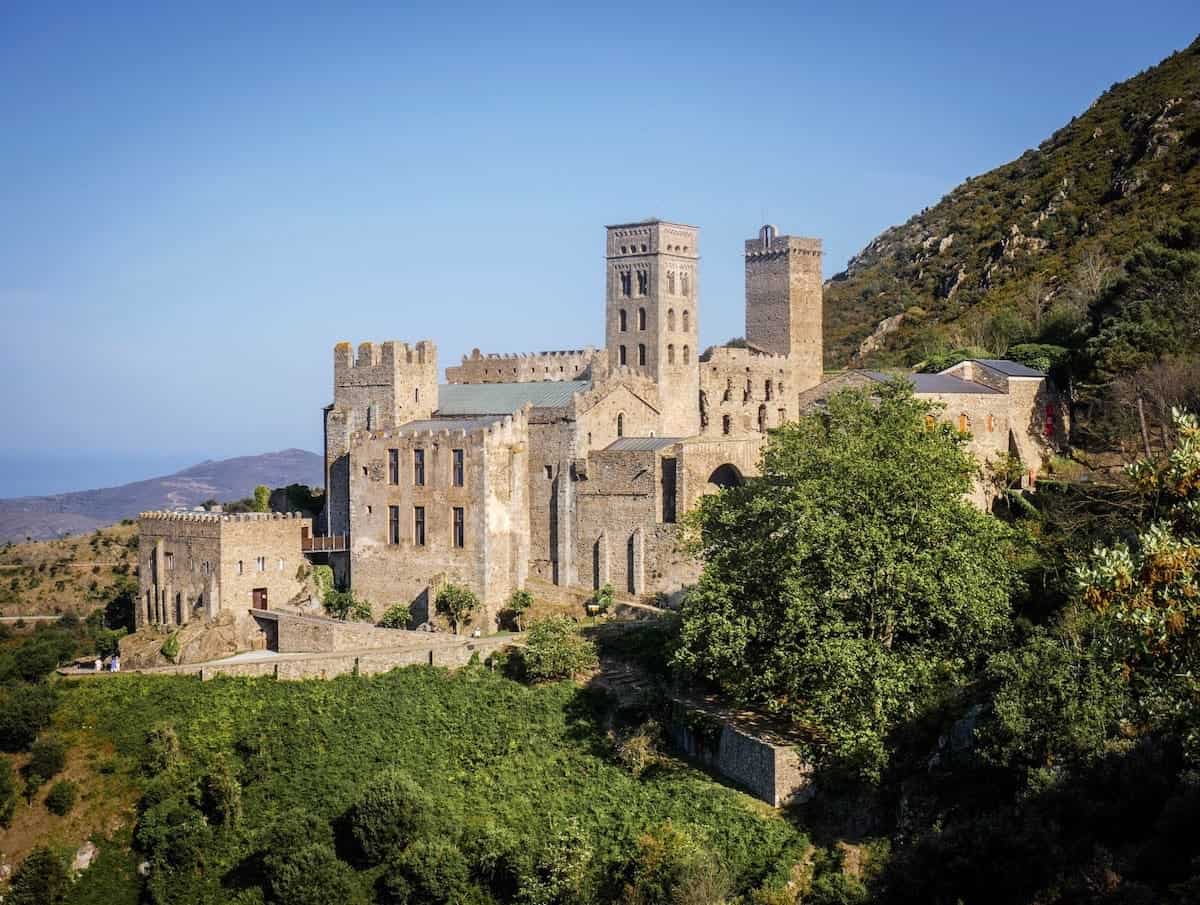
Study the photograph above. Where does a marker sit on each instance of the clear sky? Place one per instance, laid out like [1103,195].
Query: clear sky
[197,200]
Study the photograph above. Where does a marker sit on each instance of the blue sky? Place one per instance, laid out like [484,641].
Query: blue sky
[199,200]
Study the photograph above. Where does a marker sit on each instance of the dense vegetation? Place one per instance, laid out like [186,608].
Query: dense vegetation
[1081,249]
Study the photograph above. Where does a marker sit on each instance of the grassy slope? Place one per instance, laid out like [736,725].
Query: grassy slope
[1098,186]
[64,576]
[482,745]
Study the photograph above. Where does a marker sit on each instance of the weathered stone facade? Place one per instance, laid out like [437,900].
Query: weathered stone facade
[195,565]
[577,466]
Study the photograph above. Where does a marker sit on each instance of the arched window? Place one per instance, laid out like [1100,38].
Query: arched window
[762,419]
[643,282]
[726,424]
[687,321]
[670,318]
[620,424]
[964,423]
[670,354]
[683,286]
[767,390]
[671,282]
[641,318]
[687,355]
[623,318]
[621,355]
[627,284]
[641,355]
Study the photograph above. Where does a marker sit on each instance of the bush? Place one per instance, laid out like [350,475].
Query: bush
[62,797]
[170,647]
[638,750]
[8,792]
[392,811]
[603,598]
[47,758]
[555,650]
[344,605]
[24,712]
[428,872]
[518,605]
[309,873]
[42,879]
[671,867]
[398,615]
[457,604]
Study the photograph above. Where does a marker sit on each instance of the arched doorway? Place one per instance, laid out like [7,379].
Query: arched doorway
[726,476]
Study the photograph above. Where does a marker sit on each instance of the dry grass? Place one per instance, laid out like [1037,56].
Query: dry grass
[66,575]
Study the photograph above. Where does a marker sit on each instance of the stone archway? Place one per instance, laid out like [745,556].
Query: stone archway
[726,475]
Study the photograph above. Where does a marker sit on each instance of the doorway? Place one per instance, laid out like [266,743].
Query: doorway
[260,598]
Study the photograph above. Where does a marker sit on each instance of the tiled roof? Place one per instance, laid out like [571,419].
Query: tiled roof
[640,444]
[1009,368]
[457,399]
[935,383]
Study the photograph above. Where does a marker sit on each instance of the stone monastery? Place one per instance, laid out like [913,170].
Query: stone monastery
[560,471]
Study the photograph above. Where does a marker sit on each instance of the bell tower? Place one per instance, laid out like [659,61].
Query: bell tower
[652,310]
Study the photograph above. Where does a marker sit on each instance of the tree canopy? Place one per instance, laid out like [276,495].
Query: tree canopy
[852,578]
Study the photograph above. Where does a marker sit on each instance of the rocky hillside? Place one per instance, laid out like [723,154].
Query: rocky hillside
[225,479]
[1003,252]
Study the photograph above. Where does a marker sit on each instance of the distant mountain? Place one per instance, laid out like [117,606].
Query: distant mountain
[1033,241]
[41,517]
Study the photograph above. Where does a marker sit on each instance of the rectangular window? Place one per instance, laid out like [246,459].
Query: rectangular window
[393,466]
[393,524]
[419,525]
[458,468]
[261,563]
[459,526]
[240,568]
[419,467]
[169,561]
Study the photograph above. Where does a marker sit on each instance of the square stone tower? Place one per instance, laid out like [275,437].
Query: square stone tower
[783,302]
[383,386]
[652,308]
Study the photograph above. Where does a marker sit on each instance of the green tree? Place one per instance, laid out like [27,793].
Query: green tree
[8,792]
[853,579]
[429,872]
[457,604]
[62,797]
[554,650]
[392,811]
[309,873]
[47,758]
[398,615]
[42,879]
[262,498]
[518,605]
[1148,591]
[345,606]
[673,867]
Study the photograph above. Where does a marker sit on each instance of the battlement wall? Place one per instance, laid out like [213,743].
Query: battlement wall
[524,367]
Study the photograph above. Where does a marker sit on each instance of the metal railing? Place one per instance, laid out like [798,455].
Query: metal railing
[334,543]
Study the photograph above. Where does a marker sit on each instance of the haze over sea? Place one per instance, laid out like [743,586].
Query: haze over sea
[43,472]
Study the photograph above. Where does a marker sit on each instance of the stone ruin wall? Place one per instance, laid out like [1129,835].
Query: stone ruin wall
[738,384]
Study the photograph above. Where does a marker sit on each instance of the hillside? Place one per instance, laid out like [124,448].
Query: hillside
[1033,241]
[225,479]
[68,575]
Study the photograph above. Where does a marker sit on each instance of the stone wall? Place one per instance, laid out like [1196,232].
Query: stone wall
[262,551]
[743,391]
[569,364]
[494,556]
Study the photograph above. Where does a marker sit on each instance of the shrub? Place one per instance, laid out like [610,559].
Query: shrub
[518,605]
[47,758]
[398,615]
[62,797]
[323,579]
[161,751]
[221,796]
[429,872]
[309,873]
[8,792]
[345,606]
[457,604]
[42,879]
[392,811]
[555,650]
[603,598]
[108,641]
[24,712]
[170,647]
[639,749]
[671,867]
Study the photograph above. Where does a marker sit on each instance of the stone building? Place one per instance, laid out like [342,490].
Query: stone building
[195,565]
[574,468]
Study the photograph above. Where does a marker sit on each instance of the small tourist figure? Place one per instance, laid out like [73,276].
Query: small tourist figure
[98,665]
[115,664]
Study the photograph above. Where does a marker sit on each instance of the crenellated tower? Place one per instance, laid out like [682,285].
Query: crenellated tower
[783,302]
[652,310]
[382,386]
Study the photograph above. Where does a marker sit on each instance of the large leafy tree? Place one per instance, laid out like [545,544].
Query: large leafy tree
[853,579]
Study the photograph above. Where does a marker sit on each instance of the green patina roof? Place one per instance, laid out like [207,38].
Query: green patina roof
[458,399]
